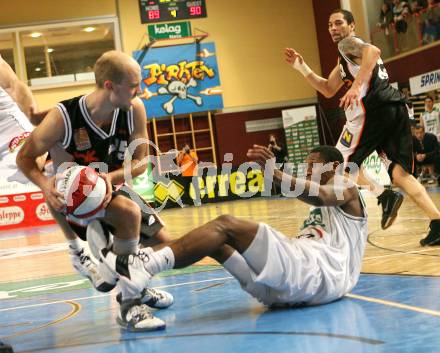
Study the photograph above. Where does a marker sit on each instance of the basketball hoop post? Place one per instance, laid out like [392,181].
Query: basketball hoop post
[196,38]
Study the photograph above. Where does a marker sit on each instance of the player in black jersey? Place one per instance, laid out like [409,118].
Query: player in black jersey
[377,118]
[98,128]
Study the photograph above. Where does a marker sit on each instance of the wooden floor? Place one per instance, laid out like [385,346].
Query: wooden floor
[41,253]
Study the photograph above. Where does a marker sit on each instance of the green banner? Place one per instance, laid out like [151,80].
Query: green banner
[169,30]
[144,186]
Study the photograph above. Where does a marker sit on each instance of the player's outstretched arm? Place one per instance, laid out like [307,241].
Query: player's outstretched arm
[18,90]
[364,54]
[327,87]
[336,192]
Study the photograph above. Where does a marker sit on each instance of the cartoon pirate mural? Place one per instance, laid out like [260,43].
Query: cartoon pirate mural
[180,79]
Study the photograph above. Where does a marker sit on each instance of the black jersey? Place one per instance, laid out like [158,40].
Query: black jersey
[88,143]
[379,91]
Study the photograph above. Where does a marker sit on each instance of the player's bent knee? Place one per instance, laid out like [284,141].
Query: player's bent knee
[225,220]
[126,211]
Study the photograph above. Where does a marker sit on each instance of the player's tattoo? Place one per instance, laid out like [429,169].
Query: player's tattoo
[352,47]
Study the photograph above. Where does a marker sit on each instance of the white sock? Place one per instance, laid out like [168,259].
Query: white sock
[125,246]
[159,261]
[75,245]
[237,266]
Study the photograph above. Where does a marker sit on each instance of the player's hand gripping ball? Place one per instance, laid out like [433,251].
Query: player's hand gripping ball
[83,189]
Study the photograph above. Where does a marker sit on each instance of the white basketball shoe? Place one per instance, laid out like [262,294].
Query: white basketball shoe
[154,298]
[87,267]
[112,266]
[135,316]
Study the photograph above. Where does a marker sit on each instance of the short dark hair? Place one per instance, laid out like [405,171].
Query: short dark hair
[109,66]
[329,153]
[348,16]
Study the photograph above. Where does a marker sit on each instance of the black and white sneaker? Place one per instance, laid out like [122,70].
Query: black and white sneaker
[112,266]
[154,298]
[433,237]
[87,267]
[391,202]
[130,266]
[135,316]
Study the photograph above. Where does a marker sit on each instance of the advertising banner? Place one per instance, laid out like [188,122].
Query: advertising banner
[144,185]
[376,170]
[21,202]
[24,210]
[169,30]
[180,79]
[301,129]
[424,83]
[231,184]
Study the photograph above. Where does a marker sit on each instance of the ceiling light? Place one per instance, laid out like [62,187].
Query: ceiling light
[89,29]
[50,50]
[38,69]
[36,34]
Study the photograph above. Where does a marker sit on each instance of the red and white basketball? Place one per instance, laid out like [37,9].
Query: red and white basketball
[83,189]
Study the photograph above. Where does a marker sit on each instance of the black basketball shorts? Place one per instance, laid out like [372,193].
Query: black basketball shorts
[385,129]
[151,223]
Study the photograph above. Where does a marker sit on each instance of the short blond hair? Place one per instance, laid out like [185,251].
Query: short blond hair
[112,65]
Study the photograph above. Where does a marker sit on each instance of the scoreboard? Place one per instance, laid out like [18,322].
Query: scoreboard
[171,10]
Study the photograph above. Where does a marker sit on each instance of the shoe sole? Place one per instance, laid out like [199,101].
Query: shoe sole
[124,325]
[393,214]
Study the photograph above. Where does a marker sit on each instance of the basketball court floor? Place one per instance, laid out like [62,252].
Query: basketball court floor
[46,307]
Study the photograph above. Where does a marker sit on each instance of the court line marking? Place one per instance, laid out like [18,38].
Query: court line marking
[106,295]
[75,308]
[400,253]
[168,336]
[394,304]
[349,295]
[208,287]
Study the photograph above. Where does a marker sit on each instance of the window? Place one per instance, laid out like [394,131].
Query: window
[59,54]
[7,48]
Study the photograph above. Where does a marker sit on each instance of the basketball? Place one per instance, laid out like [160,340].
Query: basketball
[83,189]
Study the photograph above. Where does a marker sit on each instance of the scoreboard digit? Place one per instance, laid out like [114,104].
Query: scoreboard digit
[171,10]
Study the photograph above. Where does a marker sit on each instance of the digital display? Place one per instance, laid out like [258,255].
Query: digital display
[171,10]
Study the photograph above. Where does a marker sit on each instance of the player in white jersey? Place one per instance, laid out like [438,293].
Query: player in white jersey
[430,118]
[16,105]
[318,266]
[377,118]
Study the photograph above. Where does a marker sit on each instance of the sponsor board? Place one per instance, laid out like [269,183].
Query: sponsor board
[375,169]
[11,215]
[424,83]
[24,210]
[233,184]
[169,30]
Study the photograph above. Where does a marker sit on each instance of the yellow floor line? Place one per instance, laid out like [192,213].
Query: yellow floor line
[74,311]
[394,304]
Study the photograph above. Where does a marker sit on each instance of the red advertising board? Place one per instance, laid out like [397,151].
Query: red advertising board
[24,210]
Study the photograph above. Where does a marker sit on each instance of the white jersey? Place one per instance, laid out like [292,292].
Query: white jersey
[321,265]
[14,128]
[341,239]
[431,121]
